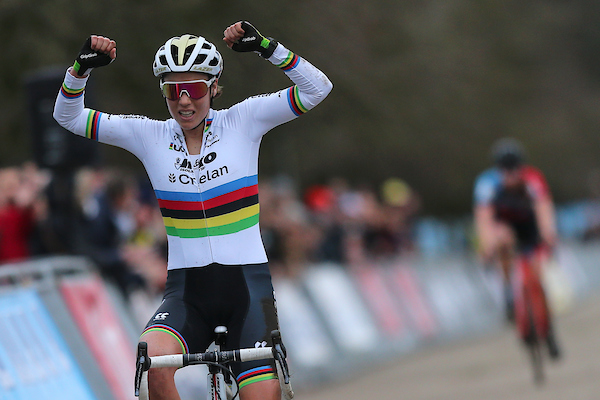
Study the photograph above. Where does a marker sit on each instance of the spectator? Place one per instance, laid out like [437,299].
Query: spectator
[106,203]
[291,239]
[400,206]
[146,248]
[20,205]
[322,202]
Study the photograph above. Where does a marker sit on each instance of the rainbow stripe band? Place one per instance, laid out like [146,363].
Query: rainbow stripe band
[222,210]
[207,124]
[71,93]
[256,375]
[294,101]
[290,62]
[93,125]
[167,329]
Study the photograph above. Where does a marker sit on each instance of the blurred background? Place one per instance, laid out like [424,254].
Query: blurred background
[366,201]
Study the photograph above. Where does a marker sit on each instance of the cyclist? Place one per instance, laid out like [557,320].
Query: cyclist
[514,212]
[203,166]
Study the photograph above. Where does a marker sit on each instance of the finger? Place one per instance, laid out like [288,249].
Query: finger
[229,37]
[93,41]
[234,32]
[238,28]
[97,42]
[231,34]
[111,45]
[104,43]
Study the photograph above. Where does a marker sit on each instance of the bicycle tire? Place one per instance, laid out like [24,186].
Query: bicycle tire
[534,346]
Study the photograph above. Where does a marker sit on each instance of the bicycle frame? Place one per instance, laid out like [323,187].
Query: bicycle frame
[531,310]
[530,299]
[217,361]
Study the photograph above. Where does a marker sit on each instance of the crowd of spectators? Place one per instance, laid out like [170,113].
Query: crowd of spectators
[335,222]
[112,217]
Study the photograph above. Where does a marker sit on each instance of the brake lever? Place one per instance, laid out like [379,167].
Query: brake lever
[142,364]
[280,354]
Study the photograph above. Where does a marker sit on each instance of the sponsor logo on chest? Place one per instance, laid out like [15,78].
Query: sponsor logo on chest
[198,171]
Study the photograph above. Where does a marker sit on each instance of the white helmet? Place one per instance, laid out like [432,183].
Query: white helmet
[188,53]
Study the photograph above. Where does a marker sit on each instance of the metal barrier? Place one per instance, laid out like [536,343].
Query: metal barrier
[42,273]
[329,314]
[58,312]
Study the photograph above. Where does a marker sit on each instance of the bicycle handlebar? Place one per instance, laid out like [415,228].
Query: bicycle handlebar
[183,360]
[277,352]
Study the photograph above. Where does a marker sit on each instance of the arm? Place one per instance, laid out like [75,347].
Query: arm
[484,214]
[544,211]
[311,85]
[70,111]
[484,224]
[543,205]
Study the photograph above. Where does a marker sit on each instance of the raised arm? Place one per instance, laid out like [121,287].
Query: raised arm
[70,111]
[311,86]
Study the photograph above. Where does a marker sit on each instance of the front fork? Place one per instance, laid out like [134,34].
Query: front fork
[217,388]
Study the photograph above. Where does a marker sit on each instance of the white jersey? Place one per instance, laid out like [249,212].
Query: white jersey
[209,202]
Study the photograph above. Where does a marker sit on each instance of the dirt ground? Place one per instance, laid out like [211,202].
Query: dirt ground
[489,368]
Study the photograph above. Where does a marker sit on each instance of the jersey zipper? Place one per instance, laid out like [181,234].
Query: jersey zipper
[197,174]
[197,177]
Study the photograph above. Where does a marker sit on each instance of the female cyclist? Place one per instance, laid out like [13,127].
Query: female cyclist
[203,165]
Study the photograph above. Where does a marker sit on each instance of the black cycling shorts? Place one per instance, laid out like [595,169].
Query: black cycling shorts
[241,298]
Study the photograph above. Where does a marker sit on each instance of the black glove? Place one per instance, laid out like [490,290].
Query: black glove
[254,41]
[88,59]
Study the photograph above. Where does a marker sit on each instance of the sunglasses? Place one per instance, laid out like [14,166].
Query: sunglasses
[194,89]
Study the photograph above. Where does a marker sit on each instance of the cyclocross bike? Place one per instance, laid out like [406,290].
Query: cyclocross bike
[532,314]
[222,385]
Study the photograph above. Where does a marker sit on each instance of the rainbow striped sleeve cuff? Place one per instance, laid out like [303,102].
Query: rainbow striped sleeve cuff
[294,101]
[93,124]
[290,62]
[256,375]
[71,93]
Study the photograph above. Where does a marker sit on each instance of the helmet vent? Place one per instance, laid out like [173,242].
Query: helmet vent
[200,58]
[188,53]
[214,62]
[206,46]
[163,60]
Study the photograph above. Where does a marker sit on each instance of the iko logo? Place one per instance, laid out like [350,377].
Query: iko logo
[161,316]
[172,178]
[183,165]
[260,344]
[207,159]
